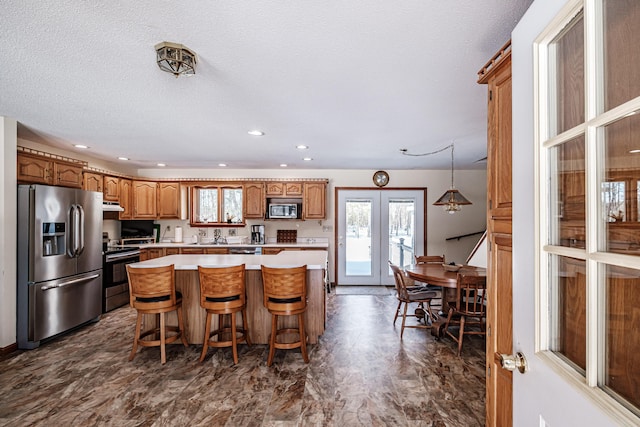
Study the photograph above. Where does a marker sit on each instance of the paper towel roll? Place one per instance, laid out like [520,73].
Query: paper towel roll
[178,235]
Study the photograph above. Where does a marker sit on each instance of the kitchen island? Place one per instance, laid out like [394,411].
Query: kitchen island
[258,318]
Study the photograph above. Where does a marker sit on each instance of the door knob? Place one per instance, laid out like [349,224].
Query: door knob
[512,362]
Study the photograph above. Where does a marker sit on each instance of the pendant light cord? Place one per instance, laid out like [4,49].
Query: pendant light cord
[405,153]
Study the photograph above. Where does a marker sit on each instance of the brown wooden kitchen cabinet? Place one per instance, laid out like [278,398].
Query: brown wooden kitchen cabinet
[254,200]
[144,199]
[32,169]
[171,251]
[92,181]
[125,199]
[111,188]
[315,194]
[284,189]
[169,200]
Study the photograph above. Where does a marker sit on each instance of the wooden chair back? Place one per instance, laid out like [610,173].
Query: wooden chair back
[285,289]
[401,288]
[471,295]
[222,288]
[152,288]
[429,259]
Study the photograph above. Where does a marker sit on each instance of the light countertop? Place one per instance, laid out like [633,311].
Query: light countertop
[315,260]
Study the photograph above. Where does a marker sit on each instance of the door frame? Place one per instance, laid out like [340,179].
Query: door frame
[337,207]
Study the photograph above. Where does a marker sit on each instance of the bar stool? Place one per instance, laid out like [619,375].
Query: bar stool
[153,291]
[285,294]
[222,292]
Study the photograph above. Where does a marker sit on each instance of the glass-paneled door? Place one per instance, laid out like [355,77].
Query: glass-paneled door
[375,226]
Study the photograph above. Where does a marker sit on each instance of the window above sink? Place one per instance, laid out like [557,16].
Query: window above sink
[216,205]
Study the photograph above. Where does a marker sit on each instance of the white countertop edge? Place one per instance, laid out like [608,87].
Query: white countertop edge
[314,260]
[229,245]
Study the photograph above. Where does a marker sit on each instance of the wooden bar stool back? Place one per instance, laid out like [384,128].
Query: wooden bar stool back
[222,292]
[153,291]
[285,294]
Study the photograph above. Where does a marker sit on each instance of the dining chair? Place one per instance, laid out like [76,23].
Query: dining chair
[285,294]
[406,297]
[469,306]
[153,291]
[436,303]
[222,292]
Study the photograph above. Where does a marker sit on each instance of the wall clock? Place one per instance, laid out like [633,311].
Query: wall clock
[381,178]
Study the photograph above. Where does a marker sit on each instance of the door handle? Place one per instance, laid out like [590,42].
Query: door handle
[70,282]
[512,362]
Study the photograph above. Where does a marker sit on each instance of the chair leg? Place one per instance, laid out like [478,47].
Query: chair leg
[207,331]
[404,318]
[272,339]
[446,325]
[234,338]
[397,312]
[183,335]
[461,334]
[163,353]
[136,337]
[245,328]
[303,338]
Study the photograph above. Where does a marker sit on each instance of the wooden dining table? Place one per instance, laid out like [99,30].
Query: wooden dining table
[435,274]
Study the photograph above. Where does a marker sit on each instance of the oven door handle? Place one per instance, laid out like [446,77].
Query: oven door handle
[117,257]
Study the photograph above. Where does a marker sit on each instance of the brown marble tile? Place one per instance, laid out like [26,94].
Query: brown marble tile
[360,373]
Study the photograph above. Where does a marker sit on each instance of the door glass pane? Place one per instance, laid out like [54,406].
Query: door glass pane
[567,194]
[568,300]
[620,172]
[566,73]
[401,231]
[232,205]
[621,52]
[358,241]
[207,206]
[622,363]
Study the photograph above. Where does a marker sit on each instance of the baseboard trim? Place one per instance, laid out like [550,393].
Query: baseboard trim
[8,349]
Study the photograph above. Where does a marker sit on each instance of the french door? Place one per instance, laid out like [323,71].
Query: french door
[375,226]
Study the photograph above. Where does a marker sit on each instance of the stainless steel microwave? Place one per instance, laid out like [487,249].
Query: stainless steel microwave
[283,210]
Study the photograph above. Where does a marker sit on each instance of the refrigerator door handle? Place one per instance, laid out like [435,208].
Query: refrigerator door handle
[80,231]
[71,232]
[70,282]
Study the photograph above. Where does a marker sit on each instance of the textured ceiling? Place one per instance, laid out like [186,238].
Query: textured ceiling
[354,80]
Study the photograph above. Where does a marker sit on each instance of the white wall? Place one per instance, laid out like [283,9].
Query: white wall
[8,242]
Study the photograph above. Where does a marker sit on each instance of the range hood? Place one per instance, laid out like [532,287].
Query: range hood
[112,207]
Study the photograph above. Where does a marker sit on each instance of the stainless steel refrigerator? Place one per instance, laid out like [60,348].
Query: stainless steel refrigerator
[59,261]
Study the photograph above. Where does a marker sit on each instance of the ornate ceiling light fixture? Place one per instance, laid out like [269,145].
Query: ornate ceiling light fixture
[176,59]
[452,199]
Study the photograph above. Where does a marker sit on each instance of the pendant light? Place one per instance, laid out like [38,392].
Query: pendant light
[452,199]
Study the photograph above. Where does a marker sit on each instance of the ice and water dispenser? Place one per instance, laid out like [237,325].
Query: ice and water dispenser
[53,238]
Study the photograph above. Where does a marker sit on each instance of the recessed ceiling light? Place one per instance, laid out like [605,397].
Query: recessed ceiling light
[256,132]
[302,147]
[222,165]
[80,146]
[307,159]
[283,165]
[634,151]
[162,165]
[123,158]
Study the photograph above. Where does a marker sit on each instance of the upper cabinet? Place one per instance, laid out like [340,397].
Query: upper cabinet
[125,189]
[254,200]
[284,189]
[111,188]
[34,169]
[169,200]
[315,194]
[92,181]
[144,199]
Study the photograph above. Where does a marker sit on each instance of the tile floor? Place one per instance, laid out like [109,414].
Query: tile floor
[360,374]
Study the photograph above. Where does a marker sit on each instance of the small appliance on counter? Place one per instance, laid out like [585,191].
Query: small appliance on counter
[257,234]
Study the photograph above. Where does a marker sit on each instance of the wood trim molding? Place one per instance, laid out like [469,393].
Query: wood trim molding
[8,349]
